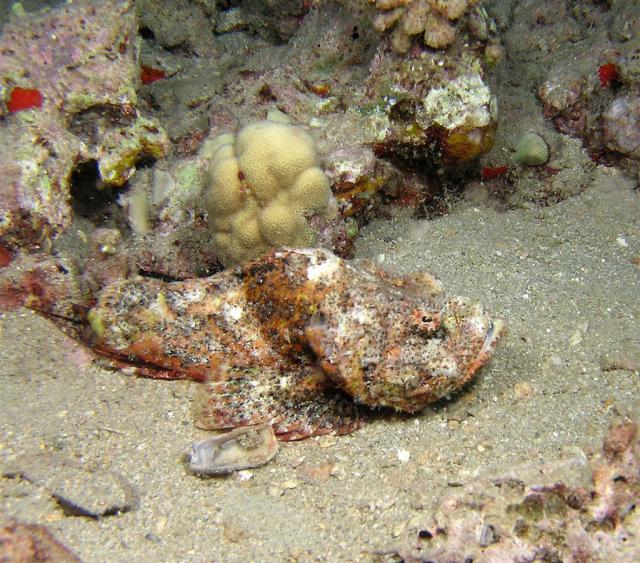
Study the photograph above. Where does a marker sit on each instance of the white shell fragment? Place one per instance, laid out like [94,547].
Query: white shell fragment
[242,448]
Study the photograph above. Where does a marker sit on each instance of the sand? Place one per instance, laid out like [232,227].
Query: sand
[564,278]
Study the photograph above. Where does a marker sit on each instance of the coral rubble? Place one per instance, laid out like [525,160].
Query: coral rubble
[569,510]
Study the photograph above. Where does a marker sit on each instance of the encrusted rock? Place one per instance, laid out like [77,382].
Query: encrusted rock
[359,180]
[441,115]
[82,60]
[21,542]
[622,125]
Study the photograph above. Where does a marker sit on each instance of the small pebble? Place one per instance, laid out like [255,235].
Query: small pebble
[576,338]
[233,532]
[622,241]
[312,473]
[328,441]
[244,475]
[338,472]
[487,535]
[275,491]
[622,362]
[523,390]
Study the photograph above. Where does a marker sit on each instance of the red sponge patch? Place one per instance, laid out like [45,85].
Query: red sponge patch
[24,98]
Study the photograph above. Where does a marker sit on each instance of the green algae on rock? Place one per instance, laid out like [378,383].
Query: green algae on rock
[531,150]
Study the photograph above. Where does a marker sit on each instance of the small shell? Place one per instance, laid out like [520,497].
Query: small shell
[241,448]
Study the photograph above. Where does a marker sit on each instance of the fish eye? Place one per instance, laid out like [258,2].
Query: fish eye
[426,319]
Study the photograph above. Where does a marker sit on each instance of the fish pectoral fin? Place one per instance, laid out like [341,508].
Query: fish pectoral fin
[294,398]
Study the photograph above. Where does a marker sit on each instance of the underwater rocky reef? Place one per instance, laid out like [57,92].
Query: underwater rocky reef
[184,186]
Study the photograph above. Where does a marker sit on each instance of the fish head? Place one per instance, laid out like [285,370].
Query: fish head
[433,353]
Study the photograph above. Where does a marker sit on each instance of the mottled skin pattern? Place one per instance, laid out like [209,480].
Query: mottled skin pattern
[296,339]
[277,339]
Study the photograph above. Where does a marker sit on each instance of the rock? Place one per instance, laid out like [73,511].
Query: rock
[622,125]
[79,490]
[193,35]
[81,60]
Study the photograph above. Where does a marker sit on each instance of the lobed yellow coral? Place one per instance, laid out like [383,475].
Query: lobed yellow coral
[432,18]
[263,184]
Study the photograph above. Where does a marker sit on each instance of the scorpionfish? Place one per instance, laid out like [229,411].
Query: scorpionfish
[296,339]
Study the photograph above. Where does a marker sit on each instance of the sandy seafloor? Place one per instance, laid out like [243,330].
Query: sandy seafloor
[562,277]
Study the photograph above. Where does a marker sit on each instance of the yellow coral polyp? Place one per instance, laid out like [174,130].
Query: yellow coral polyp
[278,225]
[311,190]
[263,183]
[223,175]
[249,236]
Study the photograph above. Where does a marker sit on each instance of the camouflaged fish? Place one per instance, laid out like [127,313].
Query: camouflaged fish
[296,339]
